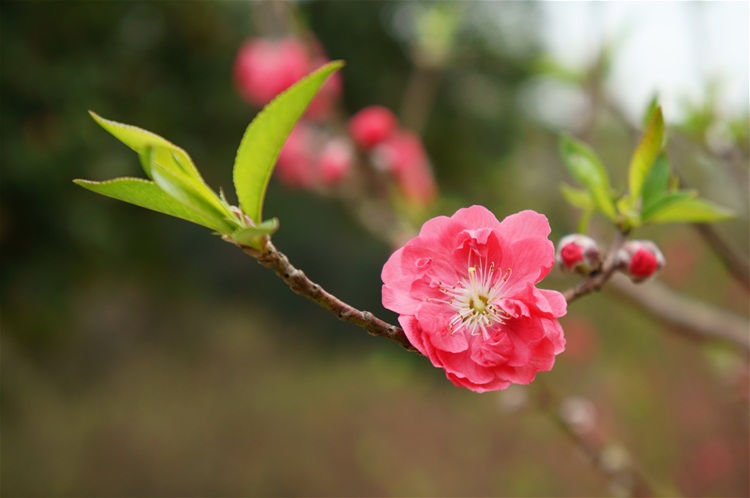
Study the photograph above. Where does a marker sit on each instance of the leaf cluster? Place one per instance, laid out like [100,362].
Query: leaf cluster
[175,186]
[653,195]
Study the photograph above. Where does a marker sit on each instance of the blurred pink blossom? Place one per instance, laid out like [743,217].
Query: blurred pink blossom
[311,158]
[405,157]
[371,126]
[465,290]
[266,67]
[335,160]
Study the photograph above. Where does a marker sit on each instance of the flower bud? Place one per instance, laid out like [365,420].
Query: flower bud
[372,126]
[578,253]
[640,259]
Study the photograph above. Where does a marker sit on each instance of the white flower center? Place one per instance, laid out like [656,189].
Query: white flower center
[474,298]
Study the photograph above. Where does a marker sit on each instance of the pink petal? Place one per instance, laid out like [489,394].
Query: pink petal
[524,225]
[476,217]
[550,302]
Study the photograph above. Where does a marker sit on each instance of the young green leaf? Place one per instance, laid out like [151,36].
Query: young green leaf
[139,140]
[656,184]
[646,153]
[586,167]
[186,189]
[147,194]
[667,202]
[266,134]
[692,211]
[577,197]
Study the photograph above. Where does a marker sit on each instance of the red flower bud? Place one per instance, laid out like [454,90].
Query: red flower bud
[578,253]
[640,259]
[371,126]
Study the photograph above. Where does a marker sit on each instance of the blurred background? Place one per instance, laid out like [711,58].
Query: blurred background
[142,356]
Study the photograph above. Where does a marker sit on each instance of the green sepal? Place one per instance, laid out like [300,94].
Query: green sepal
[252,236]
[588,170]
[646,153]
[265,136]
[147,194]
[139,140]
[692,211]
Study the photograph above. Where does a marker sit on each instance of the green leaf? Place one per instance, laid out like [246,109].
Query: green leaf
[577,197]
[667,202]
[190,192]
[693,211]
[646,153]
[146,194]
[656,184]
[266,135]
[251,236]
[588,170]
[139,140]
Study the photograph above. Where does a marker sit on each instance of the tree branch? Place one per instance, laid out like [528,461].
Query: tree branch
[272,258]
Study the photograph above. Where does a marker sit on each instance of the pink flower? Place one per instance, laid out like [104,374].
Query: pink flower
[404,156]
[465,292]
[265,67]
[371,126]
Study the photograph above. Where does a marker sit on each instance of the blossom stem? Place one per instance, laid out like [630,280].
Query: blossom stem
[595,281]
[299,283]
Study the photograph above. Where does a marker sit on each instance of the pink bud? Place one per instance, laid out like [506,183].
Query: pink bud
[335,160]
[371,126]
[640,259]
[578,253]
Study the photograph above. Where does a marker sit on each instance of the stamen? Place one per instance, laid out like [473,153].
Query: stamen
[474,298]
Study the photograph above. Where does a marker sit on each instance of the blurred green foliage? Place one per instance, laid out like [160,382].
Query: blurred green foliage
[141,356]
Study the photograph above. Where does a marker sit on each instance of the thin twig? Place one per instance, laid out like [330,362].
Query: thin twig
[272,258]
[623,473]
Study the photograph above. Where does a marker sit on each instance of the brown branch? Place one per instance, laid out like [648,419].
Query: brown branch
[272,258]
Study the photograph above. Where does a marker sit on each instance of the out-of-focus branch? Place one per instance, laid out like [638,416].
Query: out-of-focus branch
[419,96]
[272,258]
[607,458]
[691,317]
[735,264]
